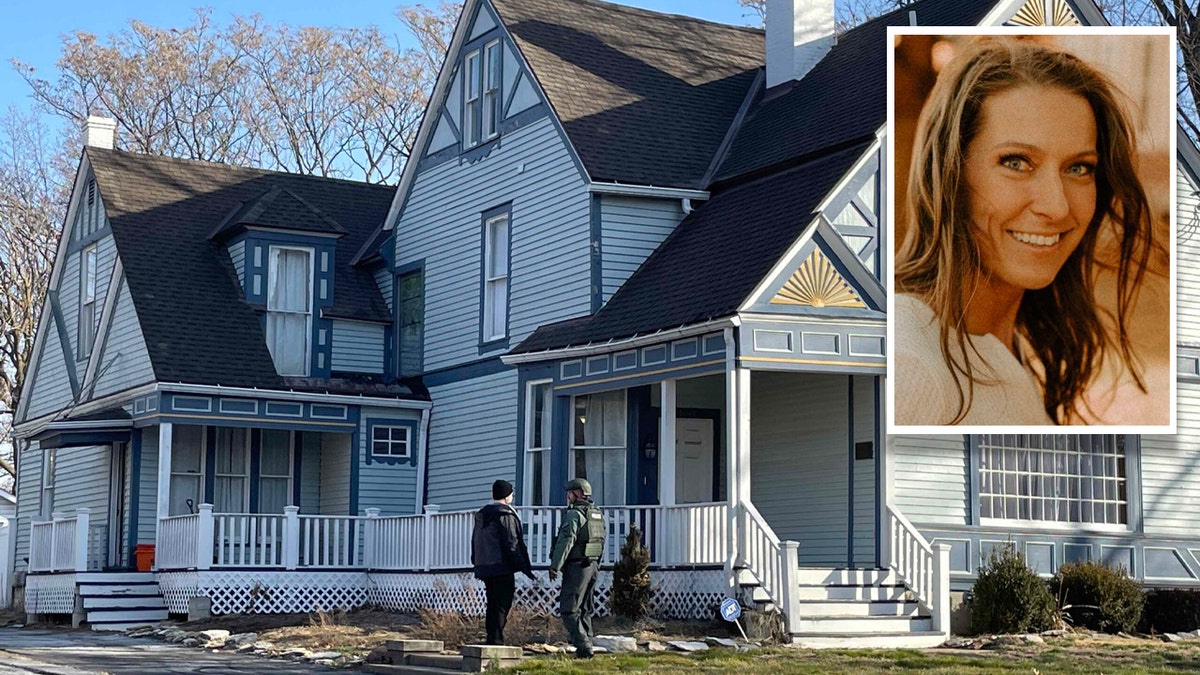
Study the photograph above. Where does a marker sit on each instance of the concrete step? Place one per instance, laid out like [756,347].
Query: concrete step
[897,640]
[858,608]
[150,615]
[862,625]
[96,590]
[119,602]
[825,576]
[883,592]
[115,578]
[386,669]
[446,661]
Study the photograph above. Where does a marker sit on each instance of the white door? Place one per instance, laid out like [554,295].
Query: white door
[693,461]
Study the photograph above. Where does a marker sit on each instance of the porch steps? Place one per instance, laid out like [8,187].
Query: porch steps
[426,657]
[848,608]
[115,601]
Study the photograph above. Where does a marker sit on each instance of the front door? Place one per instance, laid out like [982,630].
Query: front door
[693,460]
[118,493]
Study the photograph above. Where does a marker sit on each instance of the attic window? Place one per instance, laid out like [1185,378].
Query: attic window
[482,96]
[491,90]
[471,96]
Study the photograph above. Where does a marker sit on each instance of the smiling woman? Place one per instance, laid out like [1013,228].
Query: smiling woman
[1023,198]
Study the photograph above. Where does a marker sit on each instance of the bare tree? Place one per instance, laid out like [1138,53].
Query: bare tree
[33,196]
[433,29]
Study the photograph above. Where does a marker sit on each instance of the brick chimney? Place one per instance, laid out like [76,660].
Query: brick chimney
[799,34]
[100,132]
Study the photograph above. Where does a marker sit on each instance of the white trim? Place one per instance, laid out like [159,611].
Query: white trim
[822,320]
[34,426]
[101,336]
[624,344]
[408,441]
[627,190]
[527,483]
[1084,528]
[422,454]
[493,278]
[292,395]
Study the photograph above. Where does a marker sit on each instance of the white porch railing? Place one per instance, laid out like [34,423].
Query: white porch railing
[775,563]
[62,544]
[693,534]
[924,568]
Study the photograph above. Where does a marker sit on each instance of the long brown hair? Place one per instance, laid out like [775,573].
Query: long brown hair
[939,256]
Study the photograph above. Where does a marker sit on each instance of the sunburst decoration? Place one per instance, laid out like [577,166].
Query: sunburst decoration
[1033,13]
[817,284]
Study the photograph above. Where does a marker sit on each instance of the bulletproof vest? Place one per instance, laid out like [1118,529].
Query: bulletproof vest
[589,541]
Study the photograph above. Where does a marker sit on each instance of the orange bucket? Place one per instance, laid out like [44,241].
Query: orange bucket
[144,553]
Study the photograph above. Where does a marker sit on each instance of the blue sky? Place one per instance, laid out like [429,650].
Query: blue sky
[30,29]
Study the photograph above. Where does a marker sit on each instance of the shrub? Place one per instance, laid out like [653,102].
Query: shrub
[1101,598]
[631,579]
[1173,610]
[1010,597]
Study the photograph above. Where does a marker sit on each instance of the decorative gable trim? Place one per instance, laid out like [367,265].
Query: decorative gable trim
[106,318]
[1086,11]
[818,284]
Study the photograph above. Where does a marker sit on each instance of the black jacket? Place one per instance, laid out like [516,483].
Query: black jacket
[497,546]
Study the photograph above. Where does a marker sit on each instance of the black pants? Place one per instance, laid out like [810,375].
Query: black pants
[577,602]
[500,592]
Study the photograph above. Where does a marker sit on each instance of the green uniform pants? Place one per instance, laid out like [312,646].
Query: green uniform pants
[577,602]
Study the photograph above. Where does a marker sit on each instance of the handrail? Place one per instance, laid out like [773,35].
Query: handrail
[763,553]
[911,556]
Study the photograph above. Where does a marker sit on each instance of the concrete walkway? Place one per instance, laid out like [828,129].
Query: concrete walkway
[45,652]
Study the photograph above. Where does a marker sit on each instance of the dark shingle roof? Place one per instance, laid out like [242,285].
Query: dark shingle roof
[843,98]
[712,261]
[646,98]
[197,326]
[279,208]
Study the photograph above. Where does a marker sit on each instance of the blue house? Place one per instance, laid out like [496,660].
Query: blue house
[627,247]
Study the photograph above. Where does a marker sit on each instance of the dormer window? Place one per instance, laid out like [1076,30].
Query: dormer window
[289,308]
[483,102]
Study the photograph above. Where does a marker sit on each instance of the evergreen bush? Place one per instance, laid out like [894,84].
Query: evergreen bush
[1092,595]
[1174,610]
[631,579]
[1010,597]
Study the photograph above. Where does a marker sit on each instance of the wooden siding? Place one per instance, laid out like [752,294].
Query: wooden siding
[1171,471]
[930,481]
[631,229]
[148,487]
[51,388]
[29,483]
[1187,270]
[549,260]
[864,473]
[357,347]
[798,461]
[310,473]
[124,361]
[391,488]
[237,255]
[82,477]
[335,474]
[473,430]
[384,279]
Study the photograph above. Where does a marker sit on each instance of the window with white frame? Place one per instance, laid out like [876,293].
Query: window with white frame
[187,469]
[537,443]
[49,467]
[495,278]
[289,308]
[471,107]
[275,471]
[598,445]
[1054,479]
[492,58]
[231,475]
[87,300]
[391,441]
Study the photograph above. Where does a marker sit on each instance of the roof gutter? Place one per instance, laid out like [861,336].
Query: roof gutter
[627,343]
[626,190]
[360,399]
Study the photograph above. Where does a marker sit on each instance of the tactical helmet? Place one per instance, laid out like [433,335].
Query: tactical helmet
[581,485]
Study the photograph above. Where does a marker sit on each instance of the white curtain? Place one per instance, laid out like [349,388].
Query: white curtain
[600,430]
[231,471]
[289,304]
[186,463]
[275,471]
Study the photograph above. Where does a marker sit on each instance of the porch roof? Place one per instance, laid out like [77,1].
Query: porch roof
[102,427]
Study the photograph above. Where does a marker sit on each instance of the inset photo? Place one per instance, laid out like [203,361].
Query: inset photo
[1031,265]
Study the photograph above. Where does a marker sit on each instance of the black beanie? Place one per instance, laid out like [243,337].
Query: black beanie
[501,489]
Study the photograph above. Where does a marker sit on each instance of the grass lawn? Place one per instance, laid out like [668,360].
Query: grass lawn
[1060,656]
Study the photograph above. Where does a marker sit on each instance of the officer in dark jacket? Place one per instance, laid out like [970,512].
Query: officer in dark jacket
[577,551]
[497,553]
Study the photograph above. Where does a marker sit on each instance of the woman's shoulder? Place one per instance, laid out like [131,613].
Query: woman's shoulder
[925,386]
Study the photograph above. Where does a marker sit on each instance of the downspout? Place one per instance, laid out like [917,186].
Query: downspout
[686,205]
[423,462]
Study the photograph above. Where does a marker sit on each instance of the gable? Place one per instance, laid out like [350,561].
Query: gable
[121,361]
[856,210]
[1044,13]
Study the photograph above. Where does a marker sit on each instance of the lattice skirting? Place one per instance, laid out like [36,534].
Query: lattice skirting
[177,588]
[50,594]
[678,594]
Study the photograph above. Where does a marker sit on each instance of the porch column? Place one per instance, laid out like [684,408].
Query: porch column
[740,452]
[164,477]
[666,445]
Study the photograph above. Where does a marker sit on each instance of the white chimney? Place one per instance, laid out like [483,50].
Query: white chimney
[799,34]
[100,132]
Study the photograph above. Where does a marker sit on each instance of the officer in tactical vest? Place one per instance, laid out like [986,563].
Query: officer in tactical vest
[577,551]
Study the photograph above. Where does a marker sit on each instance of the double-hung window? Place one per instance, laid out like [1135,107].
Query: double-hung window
[231,475]
[471,107]
[391,441]
[495,277]
[87,300]
[49,467]
[598,445]
[289,308]
[410,293]
[187,469]
[275,471]
[492,58]
[537,443]
[1058,479]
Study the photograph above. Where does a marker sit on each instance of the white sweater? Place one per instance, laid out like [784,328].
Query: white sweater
[1005,393]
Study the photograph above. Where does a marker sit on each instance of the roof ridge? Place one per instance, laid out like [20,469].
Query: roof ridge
[234,167]
[665,15]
